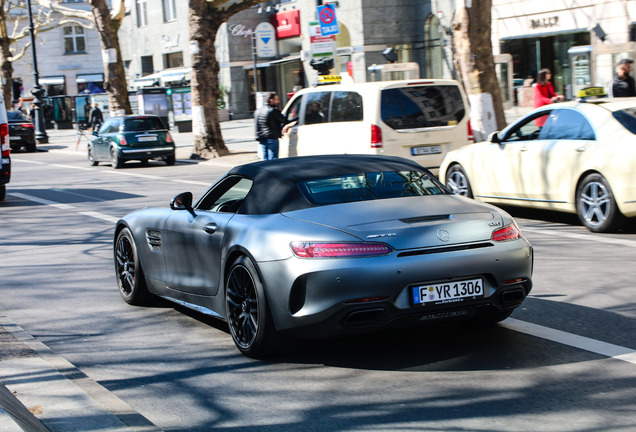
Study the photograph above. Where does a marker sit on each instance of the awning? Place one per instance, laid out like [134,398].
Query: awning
[52,80]
[176,74]
[272,63]
[85,78]
[147,80]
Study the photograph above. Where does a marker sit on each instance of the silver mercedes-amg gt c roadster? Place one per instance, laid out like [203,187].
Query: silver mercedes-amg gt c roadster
[325,245]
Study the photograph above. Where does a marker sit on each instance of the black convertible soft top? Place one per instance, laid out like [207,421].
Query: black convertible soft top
[275,188]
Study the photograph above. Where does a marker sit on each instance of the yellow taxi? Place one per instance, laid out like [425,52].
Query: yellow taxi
[577,157]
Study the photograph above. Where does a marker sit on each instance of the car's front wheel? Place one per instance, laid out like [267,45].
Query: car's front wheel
[248,314]
[130,275]
[596,206]
[457,180]
[91,157]
[115,160]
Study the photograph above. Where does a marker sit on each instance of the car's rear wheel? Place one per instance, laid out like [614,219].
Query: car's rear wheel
[115,160]
[171,160]
[596,206]
[31,147]
[3,192]
[91,157]
[248,314]
[457,180]
[130,275]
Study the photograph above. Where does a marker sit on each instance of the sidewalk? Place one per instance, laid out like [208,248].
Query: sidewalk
[42,392]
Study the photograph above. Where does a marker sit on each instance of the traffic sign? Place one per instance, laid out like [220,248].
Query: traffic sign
[265,35]
[327,19]
[321,46]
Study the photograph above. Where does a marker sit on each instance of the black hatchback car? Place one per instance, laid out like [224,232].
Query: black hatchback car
[134,137]
[21,131]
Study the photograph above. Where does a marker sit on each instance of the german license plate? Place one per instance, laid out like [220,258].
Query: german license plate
[416,151]
[448,292]
[147,138]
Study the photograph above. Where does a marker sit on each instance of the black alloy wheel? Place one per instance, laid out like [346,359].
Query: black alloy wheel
[130,275]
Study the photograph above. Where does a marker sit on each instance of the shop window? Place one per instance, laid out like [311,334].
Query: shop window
[173,60]
[146,65]
[169,10]
[90,83]
[142,13]
[74,40]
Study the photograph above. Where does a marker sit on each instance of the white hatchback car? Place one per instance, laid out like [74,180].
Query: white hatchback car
[5,162]
[580,161]
[420,120]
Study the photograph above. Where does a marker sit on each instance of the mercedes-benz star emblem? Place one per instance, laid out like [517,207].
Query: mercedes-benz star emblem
[443,235]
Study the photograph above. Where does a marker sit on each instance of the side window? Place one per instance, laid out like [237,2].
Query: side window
[227,196]
[346,107]
[529,129]
[293,112]
[317,109]
[568,124]
[110,126]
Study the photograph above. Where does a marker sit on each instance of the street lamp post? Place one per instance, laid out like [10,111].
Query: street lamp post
[38,116]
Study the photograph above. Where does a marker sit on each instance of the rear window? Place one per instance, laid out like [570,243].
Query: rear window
[627,118]
[142,124]
[370,186]
[416,107]
[17,116]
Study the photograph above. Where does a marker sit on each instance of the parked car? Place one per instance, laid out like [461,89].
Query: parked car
[419,119]
[325,245]
[134,137]
[21,131]
[581,161]
[5,146]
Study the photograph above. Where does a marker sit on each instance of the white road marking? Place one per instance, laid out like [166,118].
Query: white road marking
[596,238]
[592,345]
[96,215]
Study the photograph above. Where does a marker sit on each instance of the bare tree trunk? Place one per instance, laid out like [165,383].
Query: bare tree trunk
[204,24]
[6,68]
[473,50]
[115,75]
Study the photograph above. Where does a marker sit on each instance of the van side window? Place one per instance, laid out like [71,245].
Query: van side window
[317,109]
[346,106]
[293,113]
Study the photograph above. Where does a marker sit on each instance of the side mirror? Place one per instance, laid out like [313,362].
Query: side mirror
[183,201]
[494,138]
[94,133]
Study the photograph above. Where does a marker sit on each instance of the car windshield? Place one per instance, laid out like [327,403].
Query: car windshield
[627,117]
[17,116]
[137,124]
[370,186]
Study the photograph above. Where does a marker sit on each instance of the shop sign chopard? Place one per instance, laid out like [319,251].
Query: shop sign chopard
[239,30]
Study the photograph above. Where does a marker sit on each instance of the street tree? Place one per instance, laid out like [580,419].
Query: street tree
[14,27]
[473,53]
[205,19]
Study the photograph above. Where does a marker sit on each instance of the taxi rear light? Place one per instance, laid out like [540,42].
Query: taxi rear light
[510,232]
[339,250]
[4,133]
[471,134]
[376,137]
[122,140]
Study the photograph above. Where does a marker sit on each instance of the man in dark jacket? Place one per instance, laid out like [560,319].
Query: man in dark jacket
[623,84]
[269,125]
[95,117]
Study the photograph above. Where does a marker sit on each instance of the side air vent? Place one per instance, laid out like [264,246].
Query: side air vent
[421,219]
[444,249]
[154,239]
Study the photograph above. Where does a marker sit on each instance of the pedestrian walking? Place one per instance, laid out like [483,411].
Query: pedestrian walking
[269,123]
[622,85]
[95,117]
[544,94]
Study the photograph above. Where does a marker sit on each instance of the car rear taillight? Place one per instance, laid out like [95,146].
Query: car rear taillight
[471,135]
[168,137]
[122,140]
[511,232]
[339,250]
[4,133]
[27,125]
[376,137]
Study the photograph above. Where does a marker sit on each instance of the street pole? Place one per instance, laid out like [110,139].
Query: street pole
[38,116]
[255,72]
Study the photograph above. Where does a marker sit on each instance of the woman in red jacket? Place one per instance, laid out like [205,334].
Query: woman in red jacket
[544,93]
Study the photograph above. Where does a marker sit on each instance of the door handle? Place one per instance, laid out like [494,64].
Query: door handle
[523,149]
[210,228]
[581,149]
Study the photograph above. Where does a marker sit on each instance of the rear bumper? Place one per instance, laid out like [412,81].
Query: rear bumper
[145,153]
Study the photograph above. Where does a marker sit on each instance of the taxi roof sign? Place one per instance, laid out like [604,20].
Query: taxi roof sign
[329,79]
[591,92]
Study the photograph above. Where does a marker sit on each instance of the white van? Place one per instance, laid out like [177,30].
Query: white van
[418,119]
